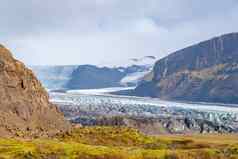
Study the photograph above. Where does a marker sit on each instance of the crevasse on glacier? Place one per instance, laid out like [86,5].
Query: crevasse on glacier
[144,107]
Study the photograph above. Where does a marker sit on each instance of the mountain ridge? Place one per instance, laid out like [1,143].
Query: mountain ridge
[205,72]
[67,77]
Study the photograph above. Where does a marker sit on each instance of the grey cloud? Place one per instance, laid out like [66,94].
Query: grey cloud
[93,31]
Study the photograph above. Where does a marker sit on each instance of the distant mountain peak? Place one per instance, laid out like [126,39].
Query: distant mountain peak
[128,73]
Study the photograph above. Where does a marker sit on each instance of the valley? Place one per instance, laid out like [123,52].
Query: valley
[114,79]
[80,118]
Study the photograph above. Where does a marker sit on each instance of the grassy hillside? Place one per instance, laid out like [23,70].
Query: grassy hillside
[121,143]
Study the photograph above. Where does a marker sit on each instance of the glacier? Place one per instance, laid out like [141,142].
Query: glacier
[100,90]
[75,104]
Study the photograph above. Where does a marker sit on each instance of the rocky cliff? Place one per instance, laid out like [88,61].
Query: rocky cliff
[205,72]
[25,109]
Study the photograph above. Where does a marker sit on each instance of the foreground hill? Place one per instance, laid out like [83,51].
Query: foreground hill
[205,72]
[24,104]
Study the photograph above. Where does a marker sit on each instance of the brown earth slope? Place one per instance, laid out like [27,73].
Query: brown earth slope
[25,109]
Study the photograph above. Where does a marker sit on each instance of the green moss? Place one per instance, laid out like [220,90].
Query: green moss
[119,143]
[108,136]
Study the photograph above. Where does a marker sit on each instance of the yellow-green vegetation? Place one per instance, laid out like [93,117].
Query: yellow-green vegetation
[121,143]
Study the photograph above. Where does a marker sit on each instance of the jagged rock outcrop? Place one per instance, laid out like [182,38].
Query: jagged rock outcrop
[206,72]
[25,109]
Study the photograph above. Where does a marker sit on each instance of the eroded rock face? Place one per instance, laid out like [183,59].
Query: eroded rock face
[25,109]
[205,72]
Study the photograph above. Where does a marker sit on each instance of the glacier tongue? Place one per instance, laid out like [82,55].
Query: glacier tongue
[74,104]
[140,106]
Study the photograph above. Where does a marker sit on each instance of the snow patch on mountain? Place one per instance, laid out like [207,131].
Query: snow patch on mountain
[134,78]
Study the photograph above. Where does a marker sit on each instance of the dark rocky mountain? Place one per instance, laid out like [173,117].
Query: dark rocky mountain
[25,109]
[206,72]
[92,76]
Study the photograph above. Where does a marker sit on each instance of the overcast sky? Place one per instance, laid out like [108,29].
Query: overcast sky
[51,32]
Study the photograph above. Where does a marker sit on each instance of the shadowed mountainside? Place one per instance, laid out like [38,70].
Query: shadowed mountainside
[206,72]
[63,77]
